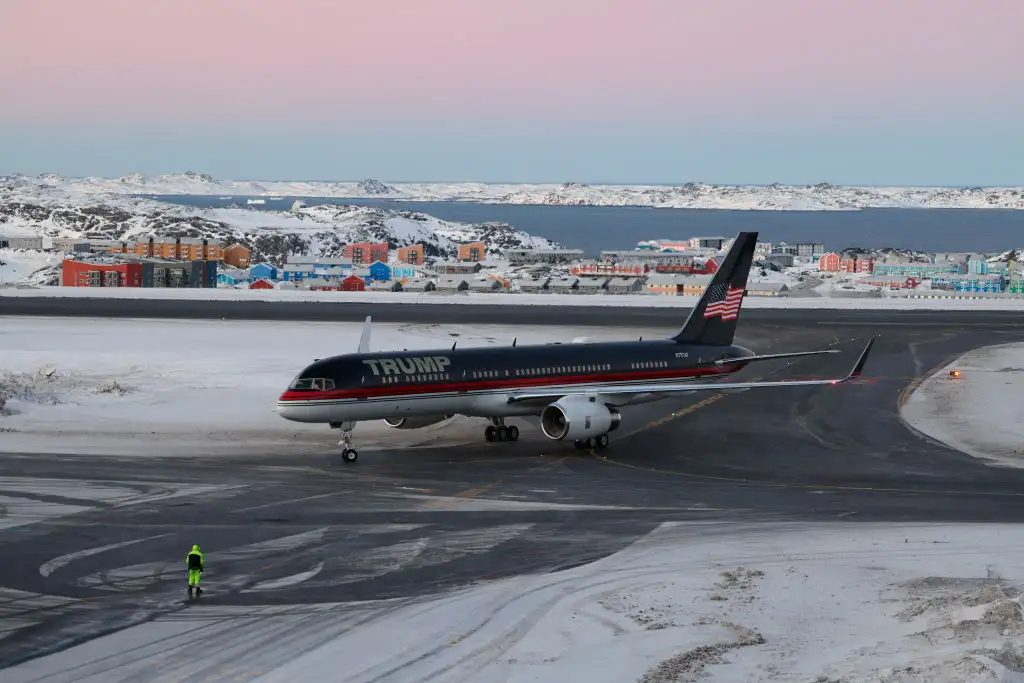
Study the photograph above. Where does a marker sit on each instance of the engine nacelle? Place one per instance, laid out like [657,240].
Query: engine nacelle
[577,417]
[414,422]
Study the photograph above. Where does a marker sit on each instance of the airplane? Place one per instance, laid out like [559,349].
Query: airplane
[576,389]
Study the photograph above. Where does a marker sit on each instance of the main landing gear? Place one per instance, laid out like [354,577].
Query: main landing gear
[593,442]
[349,453]
[499,432]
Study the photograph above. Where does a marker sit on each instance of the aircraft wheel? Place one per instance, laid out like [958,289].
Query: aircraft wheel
[503,434]
[513,433]
[491,433]
[349,455]
[602,441]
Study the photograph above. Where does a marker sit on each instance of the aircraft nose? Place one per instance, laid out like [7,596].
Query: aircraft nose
[287,409]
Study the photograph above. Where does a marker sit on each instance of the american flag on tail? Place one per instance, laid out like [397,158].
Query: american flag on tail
[724,301]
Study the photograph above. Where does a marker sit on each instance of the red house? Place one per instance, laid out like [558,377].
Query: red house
[261,284]
[353,283]
[366,252]
[829,262]
[88,274]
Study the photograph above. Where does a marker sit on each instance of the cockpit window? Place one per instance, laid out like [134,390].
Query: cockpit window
[311,384]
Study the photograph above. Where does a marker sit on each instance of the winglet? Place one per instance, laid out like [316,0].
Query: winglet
[364,339]
[859,366]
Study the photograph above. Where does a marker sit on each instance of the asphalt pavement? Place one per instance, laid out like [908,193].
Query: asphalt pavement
[291,531]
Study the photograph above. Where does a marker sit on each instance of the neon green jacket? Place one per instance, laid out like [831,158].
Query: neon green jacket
[195,551]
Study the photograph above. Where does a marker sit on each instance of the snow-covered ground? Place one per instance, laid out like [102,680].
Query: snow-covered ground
[193,387]
[896,302]
[825,603]
[691,195]
[978,412]
[34,208]
[16,265]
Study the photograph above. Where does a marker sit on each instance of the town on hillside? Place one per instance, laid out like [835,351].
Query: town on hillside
[659,267]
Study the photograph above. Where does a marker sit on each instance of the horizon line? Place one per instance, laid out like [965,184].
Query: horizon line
[532,182]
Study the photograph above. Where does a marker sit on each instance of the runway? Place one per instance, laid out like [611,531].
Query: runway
[286,532]
[458,313]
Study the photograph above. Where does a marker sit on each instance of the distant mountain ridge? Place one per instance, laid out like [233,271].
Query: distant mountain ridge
[773,197]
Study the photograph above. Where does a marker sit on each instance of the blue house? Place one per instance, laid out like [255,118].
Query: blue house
[262,271]
[970,283]
[292,272]
[231,277]
[380,272]
[403,270]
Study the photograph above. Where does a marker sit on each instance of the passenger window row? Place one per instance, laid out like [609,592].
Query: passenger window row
[649,364]
[398,379]
[562,369]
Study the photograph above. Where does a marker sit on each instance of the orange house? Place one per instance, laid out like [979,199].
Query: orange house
[474,251]
[236,255]
[412,255]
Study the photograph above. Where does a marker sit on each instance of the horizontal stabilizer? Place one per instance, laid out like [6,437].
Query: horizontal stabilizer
[773,356]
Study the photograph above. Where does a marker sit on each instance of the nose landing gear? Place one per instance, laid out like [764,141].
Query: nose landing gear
[348,454]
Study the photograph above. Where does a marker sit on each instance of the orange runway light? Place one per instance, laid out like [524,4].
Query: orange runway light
[954,373]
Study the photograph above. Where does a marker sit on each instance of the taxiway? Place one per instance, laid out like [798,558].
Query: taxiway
[296,532]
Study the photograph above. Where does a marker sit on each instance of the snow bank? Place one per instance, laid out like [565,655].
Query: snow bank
[979,412]
[192,387]
[856,603]
[519,299]
[17,264]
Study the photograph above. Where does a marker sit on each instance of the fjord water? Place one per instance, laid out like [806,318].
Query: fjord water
[593,228]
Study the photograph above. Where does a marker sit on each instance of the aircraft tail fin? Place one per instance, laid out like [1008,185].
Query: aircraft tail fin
[713,319]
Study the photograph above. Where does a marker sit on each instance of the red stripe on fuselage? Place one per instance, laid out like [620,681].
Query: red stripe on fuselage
[506,383]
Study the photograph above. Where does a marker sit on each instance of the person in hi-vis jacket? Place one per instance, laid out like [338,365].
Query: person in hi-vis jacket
[194,562]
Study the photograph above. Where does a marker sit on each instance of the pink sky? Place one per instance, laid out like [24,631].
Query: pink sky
[224,61]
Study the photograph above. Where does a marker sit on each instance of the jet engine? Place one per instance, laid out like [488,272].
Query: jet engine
[578,417]
[415,422]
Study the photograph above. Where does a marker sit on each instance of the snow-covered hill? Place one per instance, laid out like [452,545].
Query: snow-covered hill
[820,197]
[52,210]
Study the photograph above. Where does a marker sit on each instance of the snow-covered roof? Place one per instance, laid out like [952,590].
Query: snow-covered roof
[484,284]
[767,287]
[668,279]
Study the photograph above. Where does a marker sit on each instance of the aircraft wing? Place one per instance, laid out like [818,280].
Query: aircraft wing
[681,387]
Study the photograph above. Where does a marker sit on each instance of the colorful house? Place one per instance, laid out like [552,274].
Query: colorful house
[380,272]
[296,271]
[236,255]
[411,255]
[231,277]
[829,262]
[261,284]
[353,283]
[263,271]
[403,271]
[970,283]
